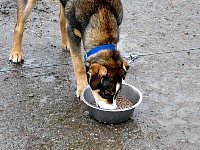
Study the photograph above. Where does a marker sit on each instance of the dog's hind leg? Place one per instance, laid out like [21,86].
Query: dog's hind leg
[63,26]
[24,7]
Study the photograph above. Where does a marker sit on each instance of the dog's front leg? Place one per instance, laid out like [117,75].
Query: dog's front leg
[79,68]
[23,10]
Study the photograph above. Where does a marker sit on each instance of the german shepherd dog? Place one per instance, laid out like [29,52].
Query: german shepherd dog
[96,23]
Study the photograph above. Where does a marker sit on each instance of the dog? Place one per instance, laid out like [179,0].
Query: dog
[95,23]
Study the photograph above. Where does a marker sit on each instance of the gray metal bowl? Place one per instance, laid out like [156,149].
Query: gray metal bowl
[112,115]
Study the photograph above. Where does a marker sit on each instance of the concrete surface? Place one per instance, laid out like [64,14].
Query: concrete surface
[38,107]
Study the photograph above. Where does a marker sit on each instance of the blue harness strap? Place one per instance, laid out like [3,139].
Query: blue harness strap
[99,48]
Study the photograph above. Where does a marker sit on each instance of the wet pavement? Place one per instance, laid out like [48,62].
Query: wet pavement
[38,107]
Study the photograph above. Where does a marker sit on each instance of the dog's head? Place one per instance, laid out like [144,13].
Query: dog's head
[105,76]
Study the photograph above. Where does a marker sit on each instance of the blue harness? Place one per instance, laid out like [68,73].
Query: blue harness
[99,48]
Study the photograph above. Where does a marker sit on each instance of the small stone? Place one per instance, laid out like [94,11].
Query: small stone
[31,95]
[5,79]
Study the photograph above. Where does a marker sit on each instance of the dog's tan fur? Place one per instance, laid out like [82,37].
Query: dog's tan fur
[96,22]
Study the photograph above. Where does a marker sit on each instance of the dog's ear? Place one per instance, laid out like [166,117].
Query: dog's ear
[125,65]
[96,72]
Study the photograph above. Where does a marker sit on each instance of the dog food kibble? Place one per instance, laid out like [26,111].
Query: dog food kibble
[123,102]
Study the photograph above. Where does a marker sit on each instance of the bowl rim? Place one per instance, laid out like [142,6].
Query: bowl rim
[112,110]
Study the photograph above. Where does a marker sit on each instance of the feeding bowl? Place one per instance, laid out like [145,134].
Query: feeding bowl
[112,115]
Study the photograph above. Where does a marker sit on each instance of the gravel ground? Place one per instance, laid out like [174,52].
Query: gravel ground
[38,107]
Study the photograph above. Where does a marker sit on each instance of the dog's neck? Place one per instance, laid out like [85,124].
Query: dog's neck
[102,29]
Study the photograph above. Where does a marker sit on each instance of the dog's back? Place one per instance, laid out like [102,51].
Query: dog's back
[84,9]
[99,17]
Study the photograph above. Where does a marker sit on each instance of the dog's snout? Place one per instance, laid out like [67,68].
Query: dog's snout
[108,95]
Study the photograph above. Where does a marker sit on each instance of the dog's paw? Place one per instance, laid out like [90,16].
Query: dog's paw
[65,46]
[79,90]
[16,57]
[78,93]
